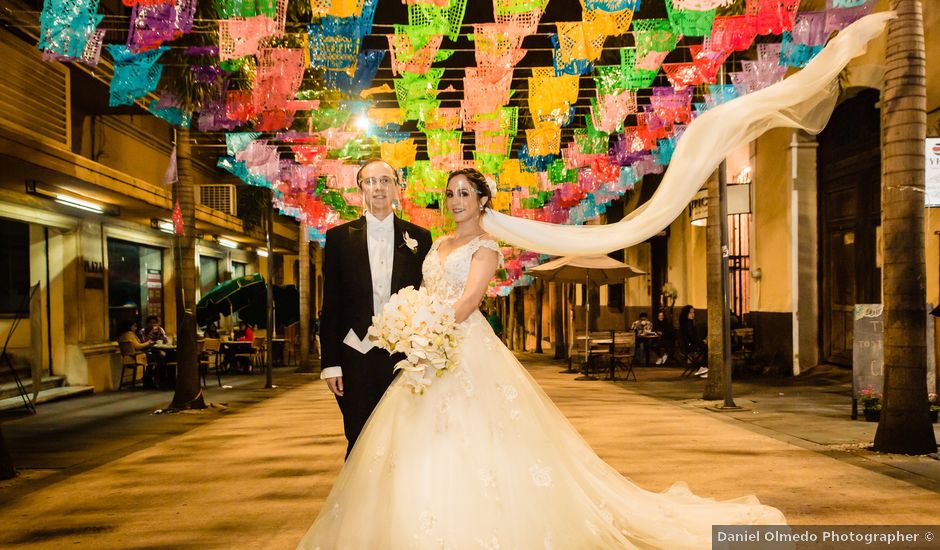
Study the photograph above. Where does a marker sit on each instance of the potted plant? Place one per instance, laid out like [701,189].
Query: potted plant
[934,407]
[870,400]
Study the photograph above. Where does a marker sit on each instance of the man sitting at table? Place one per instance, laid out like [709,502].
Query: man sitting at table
[153,332]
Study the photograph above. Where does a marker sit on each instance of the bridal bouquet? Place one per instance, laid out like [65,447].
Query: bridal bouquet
[422,327]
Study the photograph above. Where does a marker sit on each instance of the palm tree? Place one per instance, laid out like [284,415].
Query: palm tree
[191,95]
[717,306]
[305,312]
[558,321]
[905,425]
[188,393]
[539,296]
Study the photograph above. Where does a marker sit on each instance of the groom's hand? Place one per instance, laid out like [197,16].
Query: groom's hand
[336,385]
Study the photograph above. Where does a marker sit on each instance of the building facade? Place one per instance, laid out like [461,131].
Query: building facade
[85,219]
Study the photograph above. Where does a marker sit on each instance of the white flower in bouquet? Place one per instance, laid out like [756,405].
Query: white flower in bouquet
[422,328]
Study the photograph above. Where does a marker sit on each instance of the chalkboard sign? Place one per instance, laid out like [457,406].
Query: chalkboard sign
[868,364]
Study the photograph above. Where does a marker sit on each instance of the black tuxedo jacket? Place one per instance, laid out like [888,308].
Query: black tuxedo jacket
[347,284]
[347,304]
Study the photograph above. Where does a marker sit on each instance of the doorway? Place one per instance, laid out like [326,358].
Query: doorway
[849,187]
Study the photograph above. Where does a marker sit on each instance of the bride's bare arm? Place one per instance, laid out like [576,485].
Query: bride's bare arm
[482,267]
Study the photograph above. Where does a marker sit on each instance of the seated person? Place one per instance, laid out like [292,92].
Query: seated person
[153,332]
[245,333]
[128,333]
[690,337]
[662,326]
[211,331]
[642,325]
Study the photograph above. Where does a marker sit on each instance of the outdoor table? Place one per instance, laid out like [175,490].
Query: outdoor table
[650,340]
[597,341]
[229,349]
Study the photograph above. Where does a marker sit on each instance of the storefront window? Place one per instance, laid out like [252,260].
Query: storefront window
[208,273]
[14,267]
[238,269]
[135,283]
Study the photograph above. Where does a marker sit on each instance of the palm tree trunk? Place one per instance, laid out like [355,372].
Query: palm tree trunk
[305,364]
[539,296]
[905,425]
[558,321]
[510,326]
[272,322]
[717,308]
[520,318]
[188,394]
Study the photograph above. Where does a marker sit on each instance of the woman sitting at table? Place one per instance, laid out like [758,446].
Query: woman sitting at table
[662,326]
[690,338]
[127,334]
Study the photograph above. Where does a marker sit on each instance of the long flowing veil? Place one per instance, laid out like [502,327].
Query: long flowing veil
[804,101]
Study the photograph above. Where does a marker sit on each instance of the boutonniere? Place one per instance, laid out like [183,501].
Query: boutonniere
[412,244]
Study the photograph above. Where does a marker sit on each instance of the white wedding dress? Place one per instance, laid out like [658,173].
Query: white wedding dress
[484,459]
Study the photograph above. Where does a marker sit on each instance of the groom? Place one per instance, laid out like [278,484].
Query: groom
[365,262]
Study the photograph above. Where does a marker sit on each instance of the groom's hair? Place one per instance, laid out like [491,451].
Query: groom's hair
[373,161]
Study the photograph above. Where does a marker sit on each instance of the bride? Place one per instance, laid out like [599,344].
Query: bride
[484,459]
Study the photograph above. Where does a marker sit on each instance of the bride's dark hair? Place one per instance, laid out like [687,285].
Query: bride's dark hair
[477,180]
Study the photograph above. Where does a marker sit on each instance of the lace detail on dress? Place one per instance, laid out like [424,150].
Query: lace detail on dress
[448,278]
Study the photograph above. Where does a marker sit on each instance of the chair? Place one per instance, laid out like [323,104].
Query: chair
[130,359]
[576,353]
[598,349]
[689,355]
[291,344]
[742,345]
[209,357]
[248,356]
[623,351]
[261,353]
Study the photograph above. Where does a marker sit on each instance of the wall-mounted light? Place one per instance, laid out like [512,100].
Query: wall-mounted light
[262,253]
[40,189]
[227,243]
[74,202]
[166,226]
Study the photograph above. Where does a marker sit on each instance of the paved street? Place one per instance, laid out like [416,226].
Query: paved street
[254,475]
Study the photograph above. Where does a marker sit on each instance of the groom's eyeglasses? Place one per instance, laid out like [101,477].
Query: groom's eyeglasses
[383,181]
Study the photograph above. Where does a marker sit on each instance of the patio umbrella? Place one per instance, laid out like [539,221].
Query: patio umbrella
[601,270]
[286,308]
[228,297]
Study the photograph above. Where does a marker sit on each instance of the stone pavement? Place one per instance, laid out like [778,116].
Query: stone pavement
[812,411]
[254,475]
